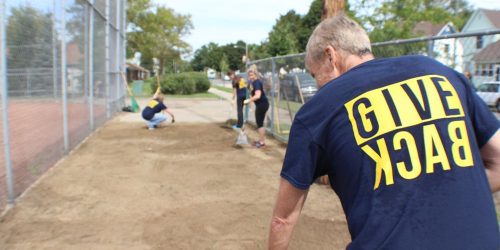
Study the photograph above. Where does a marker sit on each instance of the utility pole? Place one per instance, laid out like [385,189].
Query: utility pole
[332,8]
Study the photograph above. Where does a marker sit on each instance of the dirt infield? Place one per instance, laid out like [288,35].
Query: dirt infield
[36,138]
[179,187]
[183,186]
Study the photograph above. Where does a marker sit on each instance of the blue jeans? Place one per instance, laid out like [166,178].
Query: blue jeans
[157,119]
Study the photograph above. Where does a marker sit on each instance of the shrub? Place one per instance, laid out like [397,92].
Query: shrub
[201,81]
[182,83]
[178,84]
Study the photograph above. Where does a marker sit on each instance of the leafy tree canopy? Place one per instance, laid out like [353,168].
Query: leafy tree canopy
[156,32]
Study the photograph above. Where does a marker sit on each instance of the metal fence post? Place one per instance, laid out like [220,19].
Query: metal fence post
[107,62]
[273,87]
[430,48]
[90,63]
[54,50]
[5,116]
[124,43]
[63,77]
[117,51]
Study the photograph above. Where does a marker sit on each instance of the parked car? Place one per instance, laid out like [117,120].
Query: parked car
[211,74]
[490,93]
[290,86]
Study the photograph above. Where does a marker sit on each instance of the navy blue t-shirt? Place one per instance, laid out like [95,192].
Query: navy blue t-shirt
[257,85]
[154,106]
[399,139]
[240,85]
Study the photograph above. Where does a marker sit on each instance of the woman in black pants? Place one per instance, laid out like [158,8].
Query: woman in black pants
[261,105]
[240,94]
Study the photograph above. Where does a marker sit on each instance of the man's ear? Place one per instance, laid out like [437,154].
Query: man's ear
[330,53]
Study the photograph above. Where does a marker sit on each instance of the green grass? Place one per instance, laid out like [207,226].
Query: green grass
[225,89]
[197,95]
[294,106]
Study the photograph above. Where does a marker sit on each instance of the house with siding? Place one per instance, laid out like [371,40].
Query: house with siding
[482,52]
[447,51]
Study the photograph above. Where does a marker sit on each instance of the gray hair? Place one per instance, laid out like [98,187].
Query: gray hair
[342,33]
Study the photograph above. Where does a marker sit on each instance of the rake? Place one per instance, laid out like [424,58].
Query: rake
[133,102]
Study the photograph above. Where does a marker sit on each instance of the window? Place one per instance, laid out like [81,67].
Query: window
[479,42]
[446,48]
[486,88]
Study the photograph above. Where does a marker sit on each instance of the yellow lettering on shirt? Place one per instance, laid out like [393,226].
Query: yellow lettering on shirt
[242,84]
[383,163]
[153,103]
[433,143]
[461,151]
[411,146]
[383,120]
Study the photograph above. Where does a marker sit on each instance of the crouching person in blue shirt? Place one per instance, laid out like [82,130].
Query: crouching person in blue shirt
[154,112]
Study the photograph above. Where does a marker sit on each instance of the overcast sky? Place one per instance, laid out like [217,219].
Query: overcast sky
[223,21]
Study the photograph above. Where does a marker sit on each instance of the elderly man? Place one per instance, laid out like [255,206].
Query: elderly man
[411,151]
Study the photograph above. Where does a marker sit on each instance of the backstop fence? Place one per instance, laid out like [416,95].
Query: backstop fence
[60,64]
[288,85]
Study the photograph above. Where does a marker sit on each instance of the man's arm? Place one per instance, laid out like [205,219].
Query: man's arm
[490,153]
[169,111]
[286,214]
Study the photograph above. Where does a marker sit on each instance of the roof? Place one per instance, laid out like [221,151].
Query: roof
[490,53]
[493,16]
[136,67]
[426,28]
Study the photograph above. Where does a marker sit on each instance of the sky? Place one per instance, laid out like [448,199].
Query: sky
[224,22]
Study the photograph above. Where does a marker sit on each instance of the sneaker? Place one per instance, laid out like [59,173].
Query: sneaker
[259,144]
[235,127]
[151,128]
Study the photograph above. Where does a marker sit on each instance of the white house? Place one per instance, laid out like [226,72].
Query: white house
[483,67]
[447,51]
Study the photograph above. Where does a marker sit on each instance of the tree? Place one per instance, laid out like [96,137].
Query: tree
[396,19]
[283,38]
[224,65]
[157,32]
[29,49]
[211,55]
[29,38]
[309,22]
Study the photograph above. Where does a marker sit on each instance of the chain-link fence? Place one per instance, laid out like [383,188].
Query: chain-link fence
[60,80]
[288,85]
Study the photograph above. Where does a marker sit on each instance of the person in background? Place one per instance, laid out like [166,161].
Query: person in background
[239,95]
[261,105]
[154,112]
[409,148]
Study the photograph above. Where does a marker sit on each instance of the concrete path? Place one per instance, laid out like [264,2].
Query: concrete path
[205,110]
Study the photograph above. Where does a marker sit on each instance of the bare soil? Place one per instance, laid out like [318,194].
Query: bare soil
[183,186]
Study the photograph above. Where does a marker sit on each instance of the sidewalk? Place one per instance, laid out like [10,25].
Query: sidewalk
[221,94]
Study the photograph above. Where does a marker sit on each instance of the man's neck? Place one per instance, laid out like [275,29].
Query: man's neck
[353,60]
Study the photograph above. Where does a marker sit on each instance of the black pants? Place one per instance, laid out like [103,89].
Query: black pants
[239,109]
[260,113]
